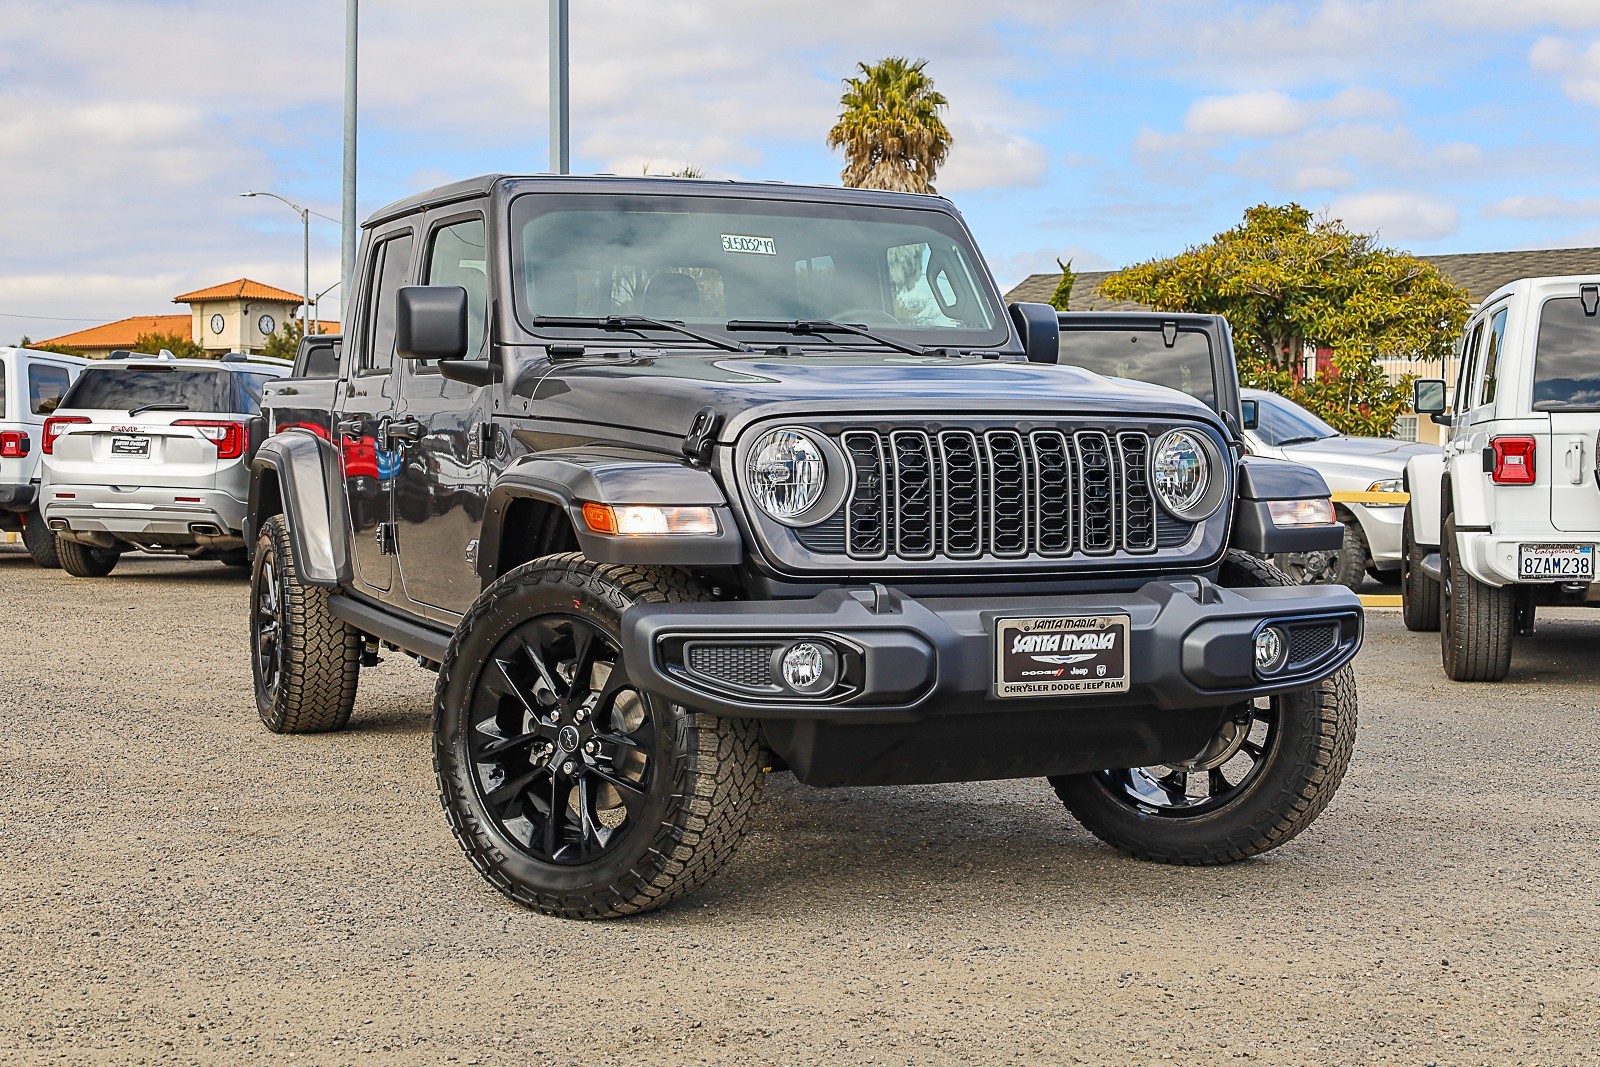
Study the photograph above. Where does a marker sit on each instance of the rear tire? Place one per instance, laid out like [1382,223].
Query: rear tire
[1419,594]
[41,543]
[86,561]
[1479,621]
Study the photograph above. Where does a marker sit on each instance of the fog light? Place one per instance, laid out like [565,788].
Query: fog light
[808,668]
[1271,650]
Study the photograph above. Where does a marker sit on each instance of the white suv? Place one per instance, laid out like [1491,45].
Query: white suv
[31,386]
[152,453]
[1508,517]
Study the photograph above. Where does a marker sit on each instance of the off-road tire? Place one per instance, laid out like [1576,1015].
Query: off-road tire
[86,561]
[1349,566]
[320,662]
[1419,594]
[1479,621]
[40,541]
[706,771]
[1317,733]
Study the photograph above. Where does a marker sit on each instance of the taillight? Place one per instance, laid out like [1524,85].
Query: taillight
[52,430]
[227,436]
[14,444]
[1513,460]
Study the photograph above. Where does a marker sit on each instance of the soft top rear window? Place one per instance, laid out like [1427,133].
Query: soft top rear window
[1143,356]
[1566,367]
[122,389]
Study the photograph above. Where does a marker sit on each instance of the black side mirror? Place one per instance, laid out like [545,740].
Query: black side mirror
[1040,331]
[1428,396]
[431,322]
[1251,410]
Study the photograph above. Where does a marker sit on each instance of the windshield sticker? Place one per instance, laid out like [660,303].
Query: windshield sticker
[739,242]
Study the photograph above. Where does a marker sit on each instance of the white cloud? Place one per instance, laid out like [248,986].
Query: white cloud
[1266,114]
[1397,216]
[986,157]
[1543,207]
[1577,68]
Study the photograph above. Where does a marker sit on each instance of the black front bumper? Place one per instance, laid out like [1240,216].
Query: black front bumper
[917,699]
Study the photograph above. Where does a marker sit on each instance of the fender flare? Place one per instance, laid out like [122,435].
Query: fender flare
[1261,481]
[1424,480]
[569,479]
[310,486]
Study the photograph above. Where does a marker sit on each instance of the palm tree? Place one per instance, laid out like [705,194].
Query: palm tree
[889,127]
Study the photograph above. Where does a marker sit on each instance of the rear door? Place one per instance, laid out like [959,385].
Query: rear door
[1566,383]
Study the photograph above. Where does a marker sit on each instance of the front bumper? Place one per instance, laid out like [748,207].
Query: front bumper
[139,512]
[1381,527]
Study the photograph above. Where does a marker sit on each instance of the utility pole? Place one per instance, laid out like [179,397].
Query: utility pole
[305,221]
[560,134]
[347,248]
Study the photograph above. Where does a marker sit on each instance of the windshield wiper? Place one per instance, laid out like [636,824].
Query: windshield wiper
[1299,440]
[638,322]
[824,326]
[158,406]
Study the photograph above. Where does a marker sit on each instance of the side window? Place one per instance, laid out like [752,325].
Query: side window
[46,385]
[457,257]
[1491,356]
[389,262]
[1467,372]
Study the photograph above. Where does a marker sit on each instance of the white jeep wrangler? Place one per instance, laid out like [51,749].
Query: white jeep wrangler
[1507,517]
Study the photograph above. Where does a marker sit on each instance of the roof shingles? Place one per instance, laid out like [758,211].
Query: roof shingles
[243,289]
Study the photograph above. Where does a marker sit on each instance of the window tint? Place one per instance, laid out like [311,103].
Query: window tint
[457,258]
[123,390]
[1491,356]
[46,386]
[321,361]
[1566,367]
[1283,422]
[1143,356]
[389,265]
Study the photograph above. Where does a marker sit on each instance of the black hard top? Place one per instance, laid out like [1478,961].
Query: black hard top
[472,188]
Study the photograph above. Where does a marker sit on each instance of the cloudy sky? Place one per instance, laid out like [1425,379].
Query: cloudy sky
[1105,130]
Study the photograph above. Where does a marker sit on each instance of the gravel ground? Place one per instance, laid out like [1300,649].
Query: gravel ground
[181,886]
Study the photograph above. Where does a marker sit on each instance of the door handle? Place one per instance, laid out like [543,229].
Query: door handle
[350,427]
[409,430]
[1574,460]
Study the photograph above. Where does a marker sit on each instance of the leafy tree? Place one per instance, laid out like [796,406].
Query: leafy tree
[45,346]
[285,340]
[176,343]
[1063,294]
[1287,281]
[889,127]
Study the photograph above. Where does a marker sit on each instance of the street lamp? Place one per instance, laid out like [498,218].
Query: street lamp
[305,221]
[316,302]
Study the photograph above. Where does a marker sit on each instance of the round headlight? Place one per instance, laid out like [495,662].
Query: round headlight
[1181,471]
[787,472]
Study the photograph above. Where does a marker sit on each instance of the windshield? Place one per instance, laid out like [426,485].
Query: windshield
[705,261]
[1283,422]
[1143,356]
[1566,368]
[126,389]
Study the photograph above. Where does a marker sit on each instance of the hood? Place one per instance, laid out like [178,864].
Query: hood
[662,391]
[1378,453]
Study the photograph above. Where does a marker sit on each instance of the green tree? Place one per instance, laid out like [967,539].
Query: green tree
[285,340]
[1287,281]
[1063,294]
[889,127]
[176,343]
[45,346]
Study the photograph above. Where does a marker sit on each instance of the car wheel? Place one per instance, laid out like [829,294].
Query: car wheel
[86,561]
[1268,773]
[305,660]
[572,791]
[1479,620]
[39,540]
[1419,594]
[1346,566]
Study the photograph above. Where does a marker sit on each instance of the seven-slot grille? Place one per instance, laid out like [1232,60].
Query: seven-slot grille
[1004,492]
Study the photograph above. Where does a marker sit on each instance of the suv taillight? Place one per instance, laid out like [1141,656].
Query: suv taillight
[227,436]
[1513,460]
[52,430]
[14,444]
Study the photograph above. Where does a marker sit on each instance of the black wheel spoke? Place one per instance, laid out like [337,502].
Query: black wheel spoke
[501,797]
[1218,782]
[503,746]
[556,816]
[1164,791]
[587,647]
[536,657]
[631,792]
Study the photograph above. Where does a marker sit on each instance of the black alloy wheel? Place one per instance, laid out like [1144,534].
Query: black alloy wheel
[267,624]
[1209,781]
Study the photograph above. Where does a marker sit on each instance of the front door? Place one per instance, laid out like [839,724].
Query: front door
[370,461]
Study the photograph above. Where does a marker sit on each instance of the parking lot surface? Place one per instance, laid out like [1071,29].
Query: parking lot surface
[179,885]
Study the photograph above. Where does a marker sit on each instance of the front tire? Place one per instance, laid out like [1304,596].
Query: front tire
[1419,594]
[86,561]
[573,792]
[39,540]
[1479,621]
[305,660]
[1346,566]
[1270,771]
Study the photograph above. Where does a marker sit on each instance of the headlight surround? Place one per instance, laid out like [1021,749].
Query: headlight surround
[794,475]
[1187,475]
[1388,485]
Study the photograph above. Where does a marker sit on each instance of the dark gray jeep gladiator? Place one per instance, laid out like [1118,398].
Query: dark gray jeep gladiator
[675,483]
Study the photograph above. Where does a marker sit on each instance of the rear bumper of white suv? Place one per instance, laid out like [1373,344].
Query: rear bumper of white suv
[1492,558]
[212,517]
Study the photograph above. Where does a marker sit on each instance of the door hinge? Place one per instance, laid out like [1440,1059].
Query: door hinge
[480,443]
[386,538]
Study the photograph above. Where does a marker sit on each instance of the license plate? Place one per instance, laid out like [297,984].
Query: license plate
[1056,654]
[130,446]
[1556,562]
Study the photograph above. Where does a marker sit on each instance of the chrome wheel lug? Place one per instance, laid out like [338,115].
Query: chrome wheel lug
[589,747]
[567,767]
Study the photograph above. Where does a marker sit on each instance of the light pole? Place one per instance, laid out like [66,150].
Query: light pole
[347,213]
[305,221]
[560,134]
[316,302]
